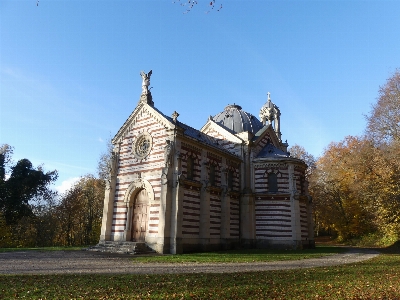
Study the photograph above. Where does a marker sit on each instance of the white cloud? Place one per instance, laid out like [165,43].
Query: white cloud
[101,140]
[66,184]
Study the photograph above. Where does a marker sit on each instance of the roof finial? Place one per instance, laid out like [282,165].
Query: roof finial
[269,96]
[145,82]
[146,94]
[175,116]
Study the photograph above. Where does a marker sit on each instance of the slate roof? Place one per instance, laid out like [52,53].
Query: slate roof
[199,136]
[236,120]
[270,151]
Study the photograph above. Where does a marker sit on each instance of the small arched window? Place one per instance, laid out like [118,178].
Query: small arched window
[212,175]
[230,179]
[272,183]
[190,168]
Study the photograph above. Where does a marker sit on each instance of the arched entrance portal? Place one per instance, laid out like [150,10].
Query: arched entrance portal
[140,216]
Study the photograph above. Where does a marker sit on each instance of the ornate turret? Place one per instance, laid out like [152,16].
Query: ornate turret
[271,113]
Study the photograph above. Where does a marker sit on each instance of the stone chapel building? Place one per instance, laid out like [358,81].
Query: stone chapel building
[231,183]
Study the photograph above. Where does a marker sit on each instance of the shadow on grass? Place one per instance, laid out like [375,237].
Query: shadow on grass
[241,256]
[42,249]
[392,249]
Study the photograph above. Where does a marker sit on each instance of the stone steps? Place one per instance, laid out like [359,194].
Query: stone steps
[122,247]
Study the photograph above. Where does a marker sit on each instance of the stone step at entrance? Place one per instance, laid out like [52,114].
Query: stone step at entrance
[122,247]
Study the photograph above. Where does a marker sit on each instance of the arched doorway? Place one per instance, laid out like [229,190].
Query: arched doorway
[140,216]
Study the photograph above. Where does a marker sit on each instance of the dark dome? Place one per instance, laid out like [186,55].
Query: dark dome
[237,120]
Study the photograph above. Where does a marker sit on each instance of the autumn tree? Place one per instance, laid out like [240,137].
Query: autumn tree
[383,122]
[80,212]
[104,163]
[190,4]
[383,129]
[299,152]
[343,188]
[23,184]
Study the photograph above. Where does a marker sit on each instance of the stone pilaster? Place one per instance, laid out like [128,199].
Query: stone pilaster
[225,206]
[225,215]
[109,197]
[108,210]
[204,216]
[310,223]
[176,208]
[295,209]
[247,220]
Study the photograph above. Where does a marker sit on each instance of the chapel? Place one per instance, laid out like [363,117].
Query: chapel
[231,183]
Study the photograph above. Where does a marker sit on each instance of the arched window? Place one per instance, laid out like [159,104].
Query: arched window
[212,175]
[189,168]
[272,183]
[230,179]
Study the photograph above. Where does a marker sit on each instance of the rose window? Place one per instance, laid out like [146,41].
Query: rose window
[142,146]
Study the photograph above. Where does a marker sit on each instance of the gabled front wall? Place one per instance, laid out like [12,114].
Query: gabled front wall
[131,169]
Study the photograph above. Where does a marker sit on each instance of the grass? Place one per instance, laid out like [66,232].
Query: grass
[41,249]
[241,256]
[377,278]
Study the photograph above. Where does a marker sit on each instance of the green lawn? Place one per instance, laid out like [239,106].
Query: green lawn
[378,278]
[241,256]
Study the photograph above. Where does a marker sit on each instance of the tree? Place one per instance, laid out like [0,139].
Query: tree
[23,184]
[343,188]
[383,122]
[80,212]
[190,4]
[299,152]
[104,164]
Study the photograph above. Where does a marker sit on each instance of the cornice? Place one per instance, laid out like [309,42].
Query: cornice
[131,121]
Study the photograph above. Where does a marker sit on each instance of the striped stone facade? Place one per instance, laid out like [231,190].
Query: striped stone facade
[180,189]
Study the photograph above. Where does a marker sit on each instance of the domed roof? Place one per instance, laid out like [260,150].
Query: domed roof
[237,120]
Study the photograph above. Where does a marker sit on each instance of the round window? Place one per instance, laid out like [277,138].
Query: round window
[142,145]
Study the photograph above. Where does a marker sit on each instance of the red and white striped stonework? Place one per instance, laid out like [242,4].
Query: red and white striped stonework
[234,216]
[262,143]
[261,178]
[222,141]
[304,221]
[273,218]
[188,150]
[215,214]
[191,212]
[131,168]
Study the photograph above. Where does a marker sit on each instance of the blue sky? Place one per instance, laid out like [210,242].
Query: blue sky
[69,70]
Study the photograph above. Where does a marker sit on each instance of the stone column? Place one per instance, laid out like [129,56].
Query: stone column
[225,207]
[109,197]
[247,207]
[176,208]
[310,223]
[204,204]
[108,210]
[225,217]
[295,209]
[164,223]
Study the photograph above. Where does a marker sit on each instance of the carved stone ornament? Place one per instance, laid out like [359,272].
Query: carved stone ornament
[136,186]
[168,153]
[142,145]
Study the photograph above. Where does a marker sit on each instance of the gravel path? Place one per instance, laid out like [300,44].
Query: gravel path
[87,262]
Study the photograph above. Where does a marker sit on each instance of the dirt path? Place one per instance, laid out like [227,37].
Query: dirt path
[85,262]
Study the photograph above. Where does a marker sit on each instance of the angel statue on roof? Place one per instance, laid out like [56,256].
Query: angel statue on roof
[145,82]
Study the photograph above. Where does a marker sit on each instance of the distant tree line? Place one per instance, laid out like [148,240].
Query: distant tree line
[33,215]
[355,184]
